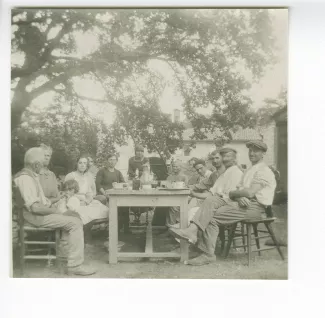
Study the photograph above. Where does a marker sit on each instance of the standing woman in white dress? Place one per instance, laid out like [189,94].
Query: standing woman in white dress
[90,209]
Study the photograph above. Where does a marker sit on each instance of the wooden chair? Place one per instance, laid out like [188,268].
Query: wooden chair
[252,228]
[27,248]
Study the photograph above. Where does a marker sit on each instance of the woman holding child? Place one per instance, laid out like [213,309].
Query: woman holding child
[89,209]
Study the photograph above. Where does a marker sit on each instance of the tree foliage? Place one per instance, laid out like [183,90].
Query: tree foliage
[207,52]
[70,133]
[272,105]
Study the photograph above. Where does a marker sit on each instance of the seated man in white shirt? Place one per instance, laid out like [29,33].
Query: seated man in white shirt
[217,196]
[40,213]
[255,192]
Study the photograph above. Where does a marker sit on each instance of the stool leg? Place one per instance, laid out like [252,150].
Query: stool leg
[257,240]
[234,241]
[249,246]
[59,258]
[222,238]
[49,250]
[270,230]
[242,229]
[22,251]
[231,235]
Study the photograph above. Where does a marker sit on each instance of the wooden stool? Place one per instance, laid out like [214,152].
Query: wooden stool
[251,228]
[225,231]
[25,251]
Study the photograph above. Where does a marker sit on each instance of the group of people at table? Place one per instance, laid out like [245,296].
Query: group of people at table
[222,196]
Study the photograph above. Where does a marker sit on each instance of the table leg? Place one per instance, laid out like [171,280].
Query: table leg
[113,231]
[184,225]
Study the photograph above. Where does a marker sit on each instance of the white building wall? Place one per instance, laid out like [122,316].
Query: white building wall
[268,133]
[203,148]
[242,152]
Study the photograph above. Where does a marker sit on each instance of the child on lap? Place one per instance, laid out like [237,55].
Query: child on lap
[69,201]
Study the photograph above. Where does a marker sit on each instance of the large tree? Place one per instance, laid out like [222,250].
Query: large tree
[208,52]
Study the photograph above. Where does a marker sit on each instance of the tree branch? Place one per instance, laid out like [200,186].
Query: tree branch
[49,85]
[45,56]
[110,99]
[92,99]
[27,22]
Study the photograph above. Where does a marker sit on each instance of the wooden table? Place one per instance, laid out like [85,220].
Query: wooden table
[145,198]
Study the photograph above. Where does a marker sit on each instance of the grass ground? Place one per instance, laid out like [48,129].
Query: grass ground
[267,266]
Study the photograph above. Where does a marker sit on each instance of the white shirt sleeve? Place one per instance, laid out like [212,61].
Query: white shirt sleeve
[73,204]
[232,182]
[27,190]
[218,186]
[227,182]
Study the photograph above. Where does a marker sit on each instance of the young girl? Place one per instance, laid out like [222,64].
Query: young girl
[69,201]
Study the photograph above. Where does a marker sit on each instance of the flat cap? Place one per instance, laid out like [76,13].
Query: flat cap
[258,144]
[139,148]
[227,149]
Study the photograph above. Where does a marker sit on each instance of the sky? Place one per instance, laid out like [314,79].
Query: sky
[268,86]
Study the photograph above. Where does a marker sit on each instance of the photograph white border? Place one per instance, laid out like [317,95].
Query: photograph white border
[301,295]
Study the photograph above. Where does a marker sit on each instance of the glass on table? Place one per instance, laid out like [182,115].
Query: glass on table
[154,184]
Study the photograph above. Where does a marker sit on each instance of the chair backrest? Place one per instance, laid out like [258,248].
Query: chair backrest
[18,204]
[268,209]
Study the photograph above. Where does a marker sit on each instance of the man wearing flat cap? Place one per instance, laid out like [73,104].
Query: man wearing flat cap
[254,193]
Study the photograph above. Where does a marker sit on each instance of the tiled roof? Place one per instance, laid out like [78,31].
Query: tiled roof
[246,134]
[241,134]
[210,136]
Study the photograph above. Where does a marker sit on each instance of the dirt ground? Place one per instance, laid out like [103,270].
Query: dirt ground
[267,266]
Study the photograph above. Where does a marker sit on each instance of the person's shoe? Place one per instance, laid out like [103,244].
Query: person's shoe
[203,259]
[184,234]
[81,270]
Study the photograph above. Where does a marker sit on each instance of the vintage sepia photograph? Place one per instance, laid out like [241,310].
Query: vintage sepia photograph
[149,143]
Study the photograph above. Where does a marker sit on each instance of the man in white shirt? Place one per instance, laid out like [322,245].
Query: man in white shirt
[216,197]
[39,212]
[253,194]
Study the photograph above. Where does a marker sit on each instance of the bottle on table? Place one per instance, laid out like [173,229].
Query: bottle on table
[136,181]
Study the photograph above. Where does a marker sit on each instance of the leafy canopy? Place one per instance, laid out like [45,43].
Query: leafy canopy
[206,53]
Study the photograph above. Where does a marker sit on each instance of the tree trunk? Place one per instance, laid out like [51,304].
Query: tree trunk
[20,101]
